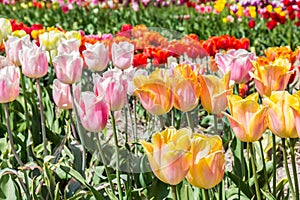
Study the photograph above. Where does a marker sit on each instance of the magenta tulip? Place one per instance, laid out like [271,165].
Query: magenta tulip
[9,83]
[93,112]
[96,56]
[34,61]
[238,62]
[122,54]
[68,67]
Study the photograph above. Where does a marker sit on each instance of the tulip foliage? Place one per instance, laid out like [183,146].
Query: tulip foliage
[142,115]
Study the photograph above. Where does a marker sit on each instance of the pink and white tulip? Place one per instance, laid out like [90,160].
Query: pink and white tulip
[122,55]
[96,56]
[9,83]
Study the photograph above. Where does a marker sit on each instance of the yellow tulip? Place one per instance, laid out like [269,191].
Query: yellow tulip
[296,111]
[51,39]
[280,116]
[208,161]
[5,30]
[247,117]
[214,93]
[272,76]
[155,91]
[169,154]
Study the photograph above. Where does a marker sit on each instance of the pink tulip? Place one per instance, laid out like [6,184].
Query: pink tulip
[62,96]
[13,46]
[113,87]
[34,61]
[122,54]
[96,56]
[93,112]
[238,62]
[68,67]
[68,46]
[4,62]
[9,84]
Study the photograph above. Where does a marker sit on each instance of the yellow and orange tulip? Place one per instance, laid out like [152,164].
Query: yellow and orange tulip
[208,161]
[155,92]
[169,154]
[272,76]
[214,93]
[280,116]
[247,117]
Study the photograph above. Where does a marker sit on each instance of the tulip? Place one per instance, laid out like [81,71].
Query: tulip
[9,83]
[187,88]
[68,67]
[68,46]
[96,56]
[34,61]
[296,111]
[61,95]
[13,46]
[272,76]
[238,62]
[214,93]
[51,39]
[93,112]
[5,30]
[122,55]
[130,74]
[155,91]
[280,116]
[168,154]
[114,88]
[208,161]
[247,117]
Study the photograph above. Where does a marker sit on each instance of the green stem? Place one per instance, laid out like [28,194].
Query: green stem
[25,106]
[135,128]
[190,120]
[72,124]
[287,169]
[254,172]
[79,130]
[174,192]
[51,76]
[264,165]
[12,145]
[206,194]
[216,124]
[274,164]
[38,87]
[102,157]
[293,142]
[117,155]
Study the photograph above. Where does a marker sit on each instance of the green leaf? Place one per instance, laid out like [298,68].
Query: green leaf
[8,188]
[245,188]
[79,178]
[268,195]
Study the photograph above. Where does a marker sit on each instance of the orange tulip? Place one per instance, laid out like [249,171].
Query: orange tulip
[296,111]
[280,117]
[214,93]
[168,155]
[155,92]
[247,117]
[208,161]
[187,88]
[272,76]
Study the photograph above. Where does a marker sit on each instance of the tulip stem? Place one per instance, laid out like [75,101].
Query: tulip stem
[216,124]
[117,155]
[38,86]
[174,192]
[189,120]
[206,194]
[274,164]
[72,124]
[264,165]
[293,142]
[102,157]
[287,169]
[79,130]
[25,106]
[11,141]
[254,172]
[135,127]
